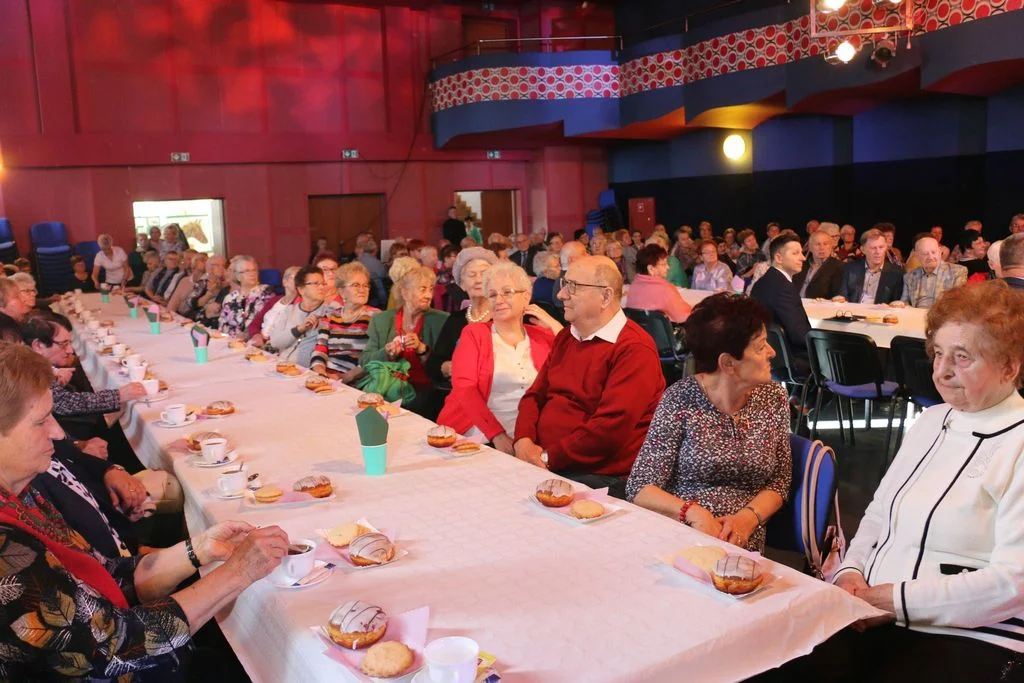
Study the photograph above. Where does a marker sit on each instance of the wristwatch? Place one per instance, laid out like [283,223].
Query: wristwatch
[544,457]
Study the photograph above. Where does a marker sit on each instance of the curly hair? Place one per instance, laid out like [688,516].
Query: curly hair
[723,323]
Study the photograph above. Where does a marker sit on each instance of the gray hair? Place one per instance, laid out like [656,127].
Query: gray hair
[401,266]
[241,260]
[503,269]
[471,254]
[23,280]
[567,252]
[345,273]
[418,275]
[105,238]
[542,261]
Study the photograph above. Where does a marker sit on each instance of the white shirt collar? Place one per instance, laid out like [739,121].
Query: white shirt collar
[784,273]
[610,332]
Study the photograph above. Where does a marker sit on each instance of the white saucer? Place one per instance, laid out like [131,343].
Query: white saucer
[160,396]
[190,419]
[232,496]
[319,564]
[229,457]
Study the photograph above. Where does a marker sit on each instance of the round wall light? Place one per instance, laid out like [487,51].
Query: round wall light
[734,147]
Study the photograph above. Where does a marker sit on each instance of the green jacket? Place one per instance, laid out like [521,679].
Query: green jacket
[382,330]
[676,274]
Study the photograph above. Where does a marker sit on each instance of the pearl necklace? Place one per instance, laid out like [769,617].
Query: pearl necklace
[471,319]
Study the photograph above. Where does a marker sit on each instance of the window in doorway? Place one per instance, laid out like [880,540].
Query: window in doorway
[202,221]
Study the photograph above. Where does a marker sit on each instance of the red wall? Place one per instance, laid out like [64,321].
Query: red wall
[264,95]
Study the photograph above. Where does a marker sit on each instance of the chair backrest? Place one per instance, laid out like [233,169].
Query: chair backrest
[88,251]
[844,357]
[801,524]
[272,277]
[656,324]
[782,363]
[6,231]
[912,368]
[51,234]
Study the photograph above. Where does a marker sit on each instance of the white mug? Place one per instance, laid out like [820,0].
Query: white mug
[451,659]
[152,387]
[296,565]
[175,413]
[232,483]
[102,332]
[214,449]
[132,361]
[118,350]
[78,291]
[137,373]
[109,339]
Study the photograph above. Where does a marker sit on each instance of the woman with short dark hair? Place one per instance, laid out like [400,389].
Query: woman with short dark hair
[717,454]
[651,291]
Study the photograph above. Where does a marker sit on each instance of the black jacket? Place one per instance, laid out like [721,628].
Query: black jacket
[782,299]
[524,259]
[454,231]
[890,286]
[827,280]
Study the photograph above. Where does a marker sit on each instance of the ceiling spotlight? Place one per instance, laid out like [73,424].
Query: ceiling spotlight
[734,147]
[883,53]
[844,52]
[829,6]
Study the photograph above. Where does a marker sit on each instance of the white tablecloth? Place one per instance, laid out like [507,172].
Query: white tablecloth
[553,601]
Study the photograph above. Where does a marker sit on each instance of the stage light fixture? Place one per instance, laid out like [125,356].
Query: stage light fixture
[829,6]
[883,53]
[734,147]
[843,54]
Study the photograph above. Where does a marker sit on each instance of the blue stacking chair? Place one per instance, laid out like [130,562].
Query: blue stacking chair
[52,255]
[8,248]
[49,236]
[272,277]
[809,520]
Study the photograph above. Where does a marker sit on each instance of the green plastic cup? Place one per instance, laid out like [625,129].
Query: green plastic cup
[155,327]
[375,459]
[133,313]
[202,353]
[105,297]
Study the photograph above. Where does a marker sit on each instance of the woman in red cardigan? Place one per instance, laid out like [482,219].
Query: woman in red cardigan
[496,362]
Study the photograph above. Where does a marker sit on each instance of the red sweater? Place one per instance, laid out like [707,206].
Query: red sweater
[592,402]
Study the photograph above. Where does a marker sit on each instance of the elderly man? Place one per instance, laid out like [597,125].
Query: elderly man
[873,279]
[776,291]
[571,252]
[1017,224]
[366,252]
[926,283]
[12,303]
[524,252]
[822,274]
[1011,260]
[587,413]
[164,280]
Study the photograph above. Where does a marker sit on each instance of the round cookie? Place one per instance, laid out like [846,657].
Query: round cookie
[387,660]
[586,509]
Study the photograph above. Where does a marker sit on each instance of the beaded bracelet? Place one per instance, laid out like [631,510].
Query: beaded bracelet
[191,552]
[687,504]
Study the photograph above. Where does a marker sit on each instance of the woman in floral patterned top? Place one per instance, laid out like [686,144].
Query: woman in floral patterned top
[717,454]
[242,304]
[65,613]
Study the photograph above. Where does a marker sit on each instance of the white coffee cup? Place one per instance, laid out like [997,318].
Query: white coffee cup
[451,659]
[232,483]
[132,361]
[109,339]
[175,413]
[137,373]
[78,291]
[214,449]
[118,350]
[93,325]
[295,566]
[152,387]
[102,332]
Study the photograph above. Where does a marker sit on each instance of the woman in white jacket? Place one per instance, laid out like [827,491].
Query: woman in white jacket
[941,546]
[292,332]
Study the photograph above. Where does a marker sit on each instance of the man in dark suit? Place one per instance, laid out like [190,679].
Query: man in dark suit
[524,253]
[453,229]
[822,275]
[1011,260]
[776,292]
[873,279]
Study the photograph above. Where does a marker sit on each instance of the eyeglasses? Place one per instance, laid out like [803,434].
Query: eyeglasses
[66,344]
[314,283]
[506,293]
[571,285]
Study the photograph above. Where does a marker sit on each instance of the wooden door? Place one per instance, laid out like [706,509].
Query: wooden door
[487,28]
[339,218]
[497,212]
[641,214]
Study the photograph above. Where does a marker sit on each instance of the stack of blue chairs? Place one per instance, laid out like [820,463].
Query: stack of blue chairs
[8,249]
[53,257]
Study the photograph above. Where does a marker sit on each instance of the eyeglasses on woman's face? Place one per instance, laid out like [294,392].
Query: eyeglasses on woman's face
[505,293]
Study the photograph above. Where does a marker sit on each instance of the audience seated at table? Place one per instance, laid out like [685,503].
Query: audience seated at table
[892,254]
[204,303]
[1011,260]
[822,273]
[923,286]
[469,270]
[410,333]
[940,548]
[848,248]
[777,293]
[496,362]
[259,328]
[871,280]
[711,275]
[113,261]
[399,267]
[975,253]
[163,282]
[366,251]
[151,261]
[548,268]
[586,414]
[629,249]
[650,290]
[676,273]
[12,303]
[613,250]
[749,255]
[28,291]
[717,453]
[328,265]
[116,617]
[246,299]
[293,331]
[344,332]
[178,300]
[80,278]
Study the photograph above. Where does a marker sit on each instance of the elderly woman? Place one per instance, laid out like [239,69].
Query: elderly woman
[259,328]
[848,248]
[399,267]
[676,273]
[178,300]
[717,454]
[67,613]
[548,268]
[27,288]
[242,304]
[496,362]
[730,246]
[941,546]
[651,291]
[80,278]
[711,274]
[343,333]
[114,262]
[292,332]
[750,254]
[469,271]
[410,333]
[151,261]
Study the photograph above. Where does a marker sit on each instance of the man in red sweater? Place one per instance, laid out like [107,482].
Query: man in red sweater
[587,413]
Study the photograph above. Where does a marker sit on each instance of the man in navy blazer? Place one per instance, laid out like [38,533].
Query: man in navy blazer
[873,279]
[776,292]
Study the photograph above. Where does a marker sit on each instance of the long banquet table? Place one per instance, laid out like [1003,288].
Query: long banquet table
[552,600]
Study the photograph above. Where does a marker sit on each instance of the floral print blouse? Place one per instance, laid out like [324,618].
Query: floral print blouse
[238,310]
[55,625]
[695,452]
